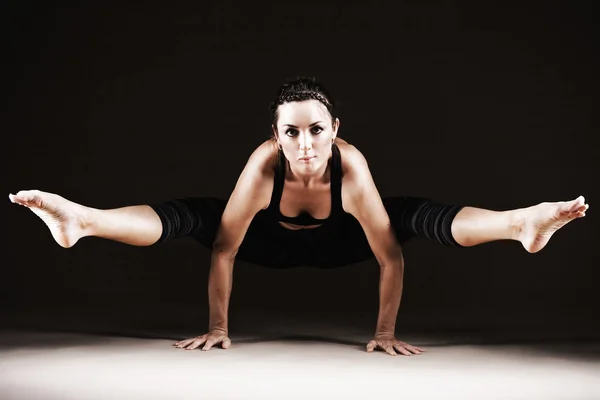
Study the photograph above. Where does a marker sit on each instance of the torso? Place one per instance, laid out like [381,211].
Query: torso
[315,200]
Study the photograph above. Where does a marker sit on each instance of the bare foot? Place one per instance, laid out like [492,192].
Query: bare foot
[541,221]
[65,219]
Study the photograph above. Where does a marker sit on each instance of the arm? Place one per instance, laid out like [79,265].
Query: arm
[251,194]
[361,199]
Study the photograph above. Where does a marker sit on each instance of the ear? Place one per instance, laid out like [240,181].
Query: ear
[336,126]
[274,129]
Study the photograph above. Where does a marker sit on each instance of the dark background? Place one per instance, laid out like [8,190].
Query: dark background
[114,103]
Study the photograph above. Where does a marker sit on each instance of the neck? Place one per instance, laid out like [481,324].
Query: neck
[308,179]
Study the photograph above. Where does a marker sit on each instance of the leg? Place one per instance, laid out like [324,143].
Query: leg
[532,226]
[141,225]
[68,221]
[418,216]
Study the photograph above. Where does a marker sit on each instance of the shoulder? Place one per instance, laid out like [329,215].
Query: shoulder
[252,192]
[263,159]
[256,180]
[253,188]
[354,163]
[358,187]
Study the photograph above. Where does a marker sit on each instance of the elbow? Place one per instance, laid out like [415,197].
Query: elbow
[224,252]
[395,261]
[395,265]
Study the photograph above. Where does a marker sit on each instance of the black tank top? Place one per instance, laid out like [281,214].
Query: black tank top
[304,218]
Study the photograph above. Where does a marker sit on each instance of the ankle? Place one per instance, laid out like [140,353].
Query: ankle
[88,221]
[517,219]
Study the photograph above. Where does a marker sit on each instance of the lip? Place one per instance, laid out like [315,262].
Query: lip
[306,158]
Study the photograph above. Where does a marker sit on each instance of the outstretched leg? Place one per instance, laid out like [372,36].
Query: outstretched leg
[532,226]
[68,221]
[453,225]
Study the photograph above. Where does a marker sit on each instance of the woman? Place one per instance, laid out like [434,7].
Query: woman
[305,197]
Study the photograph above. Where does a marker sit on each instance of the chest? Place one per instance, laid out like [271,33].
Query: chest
[314,200]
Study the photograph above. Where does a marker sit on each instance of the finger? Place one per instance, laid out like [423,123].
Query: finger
[371,346]
[409,346]
[402,350]
[226,343]
[197,343]
[184,343]
[209,343]
[412,349]
[390,350]
[188,342]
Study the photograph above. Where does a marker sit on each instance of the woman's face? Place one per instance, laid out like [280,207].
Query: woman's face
[305,133]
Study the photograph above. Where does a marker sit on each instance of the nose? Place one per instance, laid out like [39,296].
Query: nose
[305,142]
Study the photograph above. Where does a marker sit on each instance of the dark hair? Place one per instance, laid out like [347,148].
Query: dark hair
[301,89]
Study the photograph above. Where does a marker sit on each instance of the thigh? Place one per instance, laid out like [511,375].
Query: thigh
[208,210]
[401,210]
[197,217]
[420,216]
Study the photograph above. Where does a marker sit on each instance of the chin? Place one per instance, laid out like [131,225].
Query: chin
[306,167]
[310,166]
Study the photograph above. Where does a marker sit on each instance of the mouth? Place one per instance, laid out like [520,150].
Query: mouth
[306,159]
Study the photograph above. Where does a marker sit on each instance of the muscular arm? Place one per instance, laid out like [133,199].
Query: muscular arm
[361,199]
[250,195]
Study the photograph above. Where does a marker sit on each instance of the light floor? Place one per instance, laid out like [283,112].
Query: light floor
[63,366]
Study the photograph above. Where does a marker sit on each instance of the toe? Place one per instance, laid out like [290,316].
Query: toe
[575,205]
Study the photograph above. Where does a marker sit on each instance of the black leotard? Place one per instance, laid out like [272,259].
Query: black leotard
[338,240]
[304,218]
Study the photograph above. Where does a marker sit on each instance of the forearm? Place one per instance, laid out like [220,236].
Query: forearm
[220,281]
[390,292]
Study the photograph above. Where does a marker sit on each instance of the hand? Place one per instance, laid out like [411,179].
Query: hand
[389,343]
[208,340]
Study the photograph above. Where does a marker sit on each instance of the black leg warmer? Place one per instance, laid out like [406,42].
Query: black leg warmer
[416,216]
[197,217]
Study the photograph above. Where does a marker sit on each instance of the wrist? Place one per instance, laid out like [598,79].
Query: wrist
[218,328]
[385,330]
[218,324]
[380,335]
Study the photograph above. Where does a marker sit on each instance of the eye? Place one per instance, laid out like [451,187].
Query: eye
[316,130]
[291,132]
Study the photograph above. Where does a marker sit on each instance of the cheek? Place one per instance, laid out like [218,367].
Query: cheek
[325,140]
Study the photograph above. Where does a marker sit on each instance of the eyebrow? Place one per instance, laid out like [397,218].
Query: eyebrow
[311,125]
